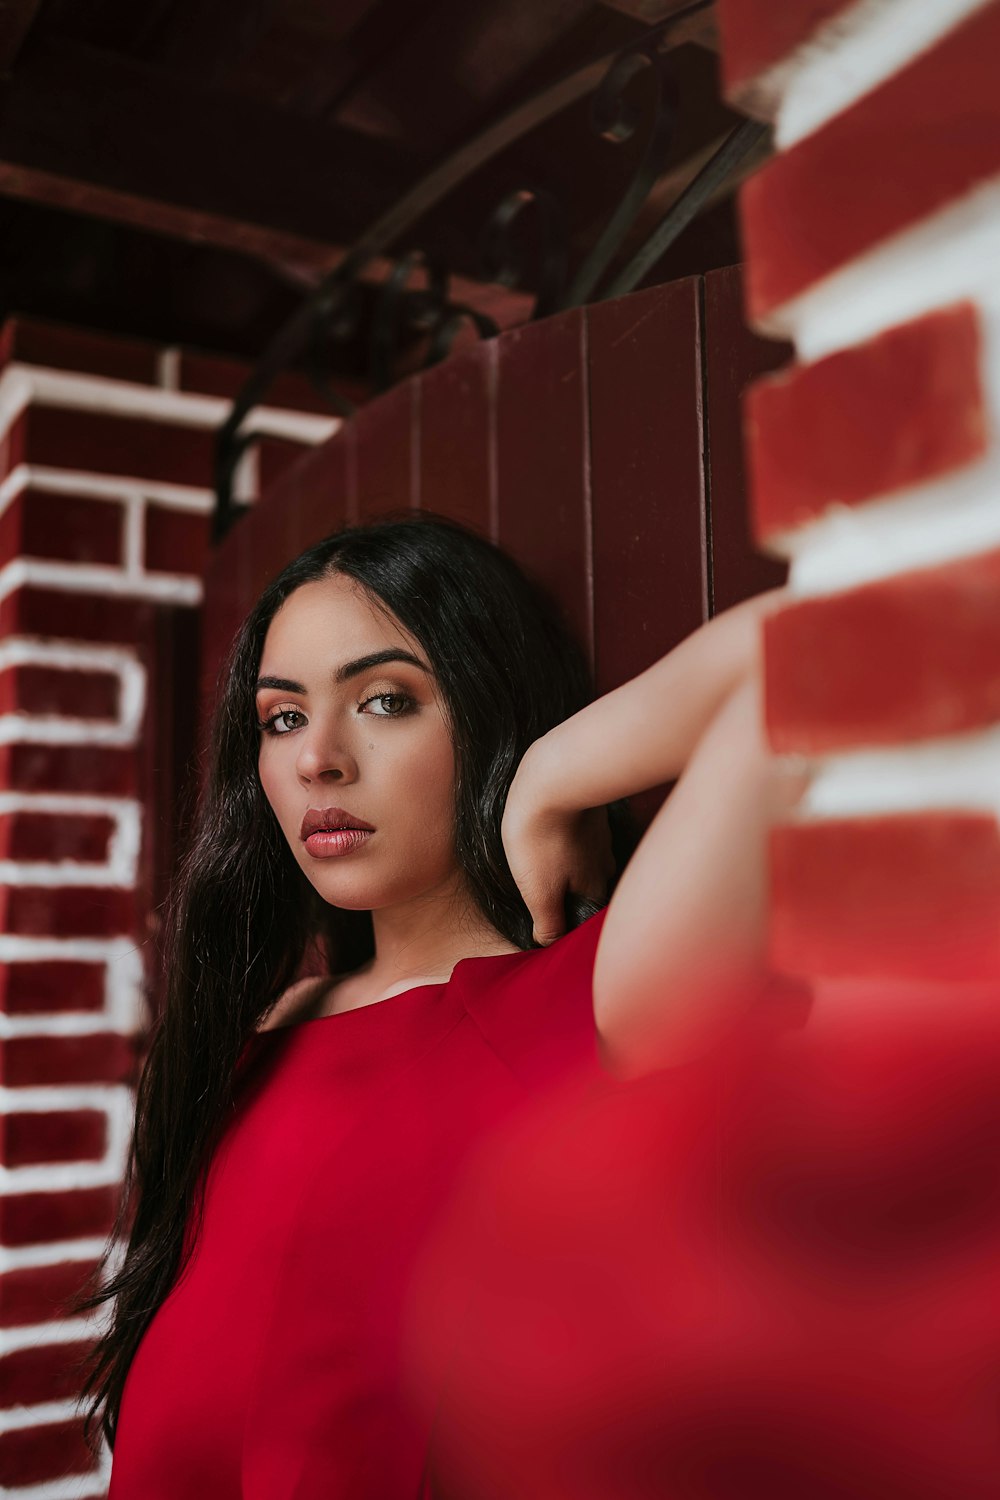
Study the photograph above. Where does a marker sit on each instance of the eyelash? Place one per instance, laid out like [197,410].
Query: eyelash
[267,725]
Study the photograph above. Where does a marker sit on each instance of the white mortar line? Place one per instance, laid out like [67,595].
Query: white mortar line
[22,385]
[92,578]
[851,55]
[73,656]
[51,481]
[14,1418]
[17,949]
[51,1253]
[949,519]
[168,368]
[121,865]
[953,773]
[58,1331]
[93,1486]
[134,541]
[947,256]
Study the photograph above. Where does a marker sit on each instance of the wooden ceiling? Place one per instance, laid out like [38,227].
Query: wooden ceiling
[185,169]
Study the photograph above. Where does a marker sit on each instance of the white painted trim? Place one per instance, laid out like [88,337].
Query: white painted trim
[953,773]
[22,385]
[950,255]
[49,481]
[851,55]
[20,727]
[91,578]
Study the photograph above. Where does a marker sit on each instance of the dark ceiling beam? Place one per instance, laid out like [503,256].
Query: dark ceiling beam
[454,60]
[701,28]
[16,17]
[118,130]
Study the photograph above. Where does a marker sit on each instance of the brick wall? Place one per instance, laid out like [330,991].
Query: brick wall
[105,494]
[872,241]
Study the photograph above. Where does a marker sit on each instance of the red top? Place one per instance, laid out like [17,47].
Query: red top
[273,1369]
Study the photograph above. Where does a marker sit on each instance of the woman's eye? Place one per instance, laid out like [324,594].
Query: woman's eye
[388,705]
[271,725]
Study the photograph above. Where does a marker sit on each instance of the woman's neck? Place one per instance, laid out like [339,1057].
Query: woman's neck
[424,939]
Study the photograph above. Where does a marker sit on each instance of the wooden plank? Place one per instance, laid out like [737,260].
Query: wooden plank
[382,453]
[646,476]
[454,475]
[650,559]
[542,464]
[733,357]
[317,493]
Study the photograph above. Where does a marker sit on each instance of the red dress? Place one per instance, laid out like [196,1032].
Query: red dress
[273,1369]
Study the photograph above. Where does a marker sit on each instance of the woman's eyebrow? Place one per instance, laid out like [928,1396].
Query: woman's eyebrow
[348,670]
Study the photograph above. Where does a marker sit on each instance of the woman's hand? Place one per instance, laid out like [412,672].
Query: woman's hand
[553,851]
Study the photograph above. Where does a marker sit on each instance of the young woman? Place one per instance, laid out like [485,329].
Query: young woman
[408,799]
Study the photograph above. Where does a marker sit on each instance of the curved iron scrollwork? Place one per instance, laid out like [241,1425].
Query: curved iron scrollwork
[405,316]
[615,119]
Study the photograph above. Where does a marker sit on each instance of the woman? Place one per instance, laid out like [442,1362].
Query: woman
[407,792]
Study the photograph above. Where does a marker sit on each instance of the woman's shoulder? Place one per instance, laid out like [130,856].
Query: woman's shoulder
[536,1008]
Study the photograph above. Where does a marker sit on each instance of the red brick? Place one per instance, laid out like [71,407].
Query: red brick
[902,409]
[908,896]
[69,528]
[57,347]
[53,836]
[66,691]
[68,768]
[923,140]
[81,617]
[67,911]
[42,985]
[53,1450]
[34,1218]
[103,443]
[910,657]
[40,1294]
[47,1372]
[758,34]
[12,444]
[99,1057]
[30,1136]
[176,540]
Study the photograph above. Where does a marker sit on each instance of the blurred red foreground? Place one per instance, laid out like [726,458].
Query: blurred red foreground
[774,1272]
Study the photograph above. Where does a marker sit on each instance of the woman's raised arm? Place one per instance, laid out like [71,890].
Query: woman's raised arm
[684,939]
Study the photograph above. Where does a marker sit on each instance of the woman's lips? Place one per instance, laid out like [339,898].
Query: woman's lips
[328,843]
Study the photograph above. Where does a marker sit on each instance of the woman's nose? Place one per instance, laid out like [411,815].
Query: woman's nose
[325,752]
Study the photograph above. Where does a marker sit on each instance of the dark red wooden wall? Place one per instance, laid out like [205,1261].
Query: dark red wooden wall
[601,448]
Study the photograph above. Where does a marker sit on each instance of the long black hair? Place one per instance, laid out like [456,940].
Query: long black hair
[242,916]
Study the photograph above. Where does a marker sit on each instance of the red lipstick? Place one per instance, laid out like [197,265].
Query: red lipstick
[330,831]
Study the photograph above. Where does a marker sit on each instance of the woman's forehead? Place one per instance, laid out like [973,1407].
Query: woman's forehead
[336,619]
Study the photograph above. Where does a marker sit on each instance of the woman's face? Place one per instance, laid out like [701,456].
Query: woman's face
[357,740]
